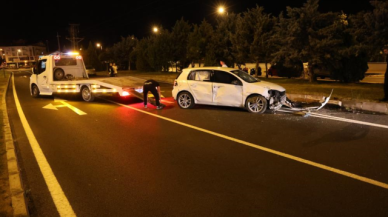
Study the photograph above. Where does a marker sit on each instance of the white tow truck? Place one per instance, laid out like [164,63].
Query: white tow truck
[65,73]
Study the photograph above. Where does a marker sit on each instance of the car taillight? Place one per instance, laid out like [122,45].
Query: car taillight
[125,93]
[175,83]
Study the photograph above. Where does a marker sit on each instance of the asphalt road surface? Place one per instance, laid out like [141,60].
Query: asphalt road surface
[119,159]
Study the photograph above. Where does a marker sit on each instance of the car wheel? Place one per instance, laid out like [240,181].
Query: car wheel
[59,74]
[185,100]
[256,104]
[35,91]
[87,94]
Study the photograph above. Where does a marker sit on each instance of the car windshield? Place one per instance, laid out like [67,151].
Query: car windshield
[245,76]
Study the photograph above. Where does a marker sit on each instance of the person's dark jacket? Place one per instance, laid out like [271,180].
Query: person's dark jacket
[110,70]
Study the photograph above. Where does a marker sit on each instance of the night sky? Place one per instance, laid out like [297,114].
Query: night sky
[34,21]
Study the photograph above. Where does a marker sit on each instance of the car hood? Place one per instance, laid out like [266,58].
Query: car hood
[268,85]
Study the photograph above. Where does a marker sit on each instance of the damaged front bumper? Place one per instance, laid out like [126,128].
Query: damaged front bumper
[278,99]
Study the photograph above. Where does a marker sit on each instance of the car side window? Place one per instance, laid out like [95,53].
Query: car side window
[191,76]
[40,67]
[199,75]
[225,78]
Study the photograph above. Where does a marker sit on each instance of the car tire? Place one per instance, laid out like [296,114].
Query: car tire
[256,104]
[59,74]
[87,94]
[35,91]
[185,100]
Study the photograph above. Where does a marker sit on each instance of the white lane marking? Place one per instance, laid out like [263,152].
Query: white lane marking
[291,157]
[73,108]
[52,107]
[62,204]
[64,104]
[347,120]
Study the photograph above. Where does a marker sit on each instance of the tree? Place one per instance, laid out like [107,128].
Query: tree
[220,44]
[180,37]
[320,39]
[198,41]
[121,51]
[371,28]
[141,57]
[159,51]
[252,40]
[91,57]
[297,34]
[345,57]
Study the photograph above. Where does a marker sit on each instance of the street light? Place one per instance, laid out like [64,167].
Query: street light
[155,29]
[99,45]
[221,10]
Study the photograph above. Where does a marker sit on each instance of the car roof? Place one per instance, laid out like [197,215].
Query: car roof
[210,68]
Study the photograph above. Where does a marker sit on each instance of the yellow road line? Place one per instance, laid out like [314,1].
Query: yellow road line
[288,156]
[62,204]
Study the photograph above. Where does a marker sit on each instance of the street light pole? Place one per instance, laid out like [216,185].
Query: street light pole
[17,63]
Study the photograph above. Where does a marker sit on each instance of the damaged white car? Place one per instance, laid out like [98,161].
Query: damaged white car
[227,87]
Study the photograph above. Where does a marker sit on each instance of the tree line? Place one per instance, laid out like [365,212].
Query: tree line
[334,41]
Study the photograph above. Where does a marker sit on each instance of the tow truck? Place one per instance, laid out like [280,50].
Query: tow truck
[65,73]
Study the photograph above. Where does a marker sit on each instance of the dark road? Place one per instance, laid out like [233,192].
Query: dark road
[115,158]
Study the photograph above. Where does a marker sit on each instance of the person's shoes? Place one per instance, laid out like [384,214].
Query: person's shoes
[145,106]
[161,106]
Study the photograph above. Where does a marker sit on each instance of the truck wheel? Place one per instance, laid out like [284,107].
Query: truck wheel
[35,91]
[87,94]
[256,104]
[59,74]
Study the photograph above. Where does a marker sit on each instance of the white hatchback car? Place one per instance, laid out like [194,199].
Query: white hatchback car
[226,87]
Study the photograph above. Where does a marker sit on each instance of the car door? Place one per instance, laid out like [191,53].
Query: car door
[227,89]
[41,76]
[201,86]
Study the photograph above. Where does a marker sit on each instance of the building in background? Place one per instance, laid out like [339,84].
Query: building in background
[21,56]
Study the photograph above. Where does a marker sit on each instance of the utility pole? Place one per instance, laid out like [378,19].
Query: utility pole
[47,46]
[59,46]
[73,30]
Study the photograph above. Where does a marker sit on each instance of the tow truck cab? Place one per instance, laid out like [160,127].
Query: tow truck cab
[56,67]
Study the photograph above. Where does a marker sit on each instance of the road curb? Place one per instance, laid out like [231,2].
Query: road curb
[348,104]
[15,182]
